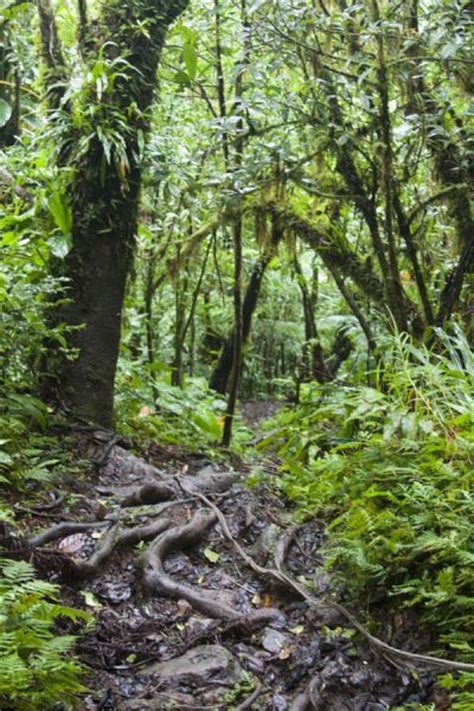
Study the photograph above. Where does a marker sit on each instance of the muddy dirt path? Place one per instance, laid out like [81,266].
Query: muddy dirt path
[182,620]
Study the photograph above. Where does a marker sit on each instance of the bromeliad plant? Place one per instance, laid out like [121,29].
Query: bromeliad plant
[391,470]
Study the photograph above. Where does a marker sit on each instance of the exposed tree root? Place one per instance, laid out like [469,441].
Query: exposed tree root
[120,460]
[301,703]
[102,457]
[245,625]
[209,481]
[151,493]
[283,546]
[49,506]
[47,560]
[253,621]
[156,579]
[155,492]
[392,654]
[170,504]
[61,530]
[118,539]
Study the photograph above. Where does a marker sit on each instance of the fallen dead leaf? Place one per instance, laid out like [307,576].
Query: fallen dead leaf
[72,544]
[286,652]
[267,600]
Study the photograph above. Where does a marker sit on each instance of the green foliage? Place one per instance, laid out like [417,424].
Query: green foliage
[242,688]
[31,229]
[37,670]
[191,416]
[462,685]
[25,452]
[391,471]
[5,112]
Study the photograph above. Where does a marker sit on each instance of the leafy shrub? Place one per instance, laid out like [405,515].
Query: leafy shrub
[191,416]
[390,469]
[25,452]
[27,291]
[37,670]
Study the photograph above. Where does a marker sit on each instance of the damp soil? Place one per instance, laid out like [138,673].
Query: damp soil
[182,622]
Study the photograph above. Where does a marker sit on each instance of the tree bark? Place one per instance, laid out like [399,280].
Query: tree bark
[313,356]
[104,195]
[237,237]
[333,252]
[223,369]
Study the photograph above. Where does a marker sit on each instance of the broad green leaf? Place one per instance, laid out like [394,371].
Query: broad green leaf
[211,555]
[181,77]
[91,600]
[299,629]
[60,245]
[5,112]
[61,212]
[190,59]
[5,458]
[207,422]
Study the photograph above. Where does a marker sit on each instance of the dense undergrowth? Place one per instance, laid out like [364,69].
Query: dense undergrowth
[37,670]
[390,470]
[190,416]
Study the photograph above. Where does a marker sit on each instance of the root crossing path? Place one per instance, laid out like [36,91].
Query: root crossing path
[206,597]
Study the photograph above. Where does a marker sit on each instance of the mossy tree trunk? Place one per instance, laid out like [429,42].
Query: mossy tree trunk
[104,192]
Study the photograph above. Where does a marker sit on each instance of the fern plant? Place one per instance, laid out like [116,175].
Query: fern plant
[37,669]
[391,471]
[25,454]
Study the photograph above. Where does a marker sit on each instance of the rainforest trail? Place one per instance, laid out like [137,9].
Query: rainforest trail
[200,592]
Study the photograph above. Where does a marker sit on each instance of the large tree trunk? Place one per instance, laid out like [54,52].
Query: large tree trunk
[97,269]
[104,198]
